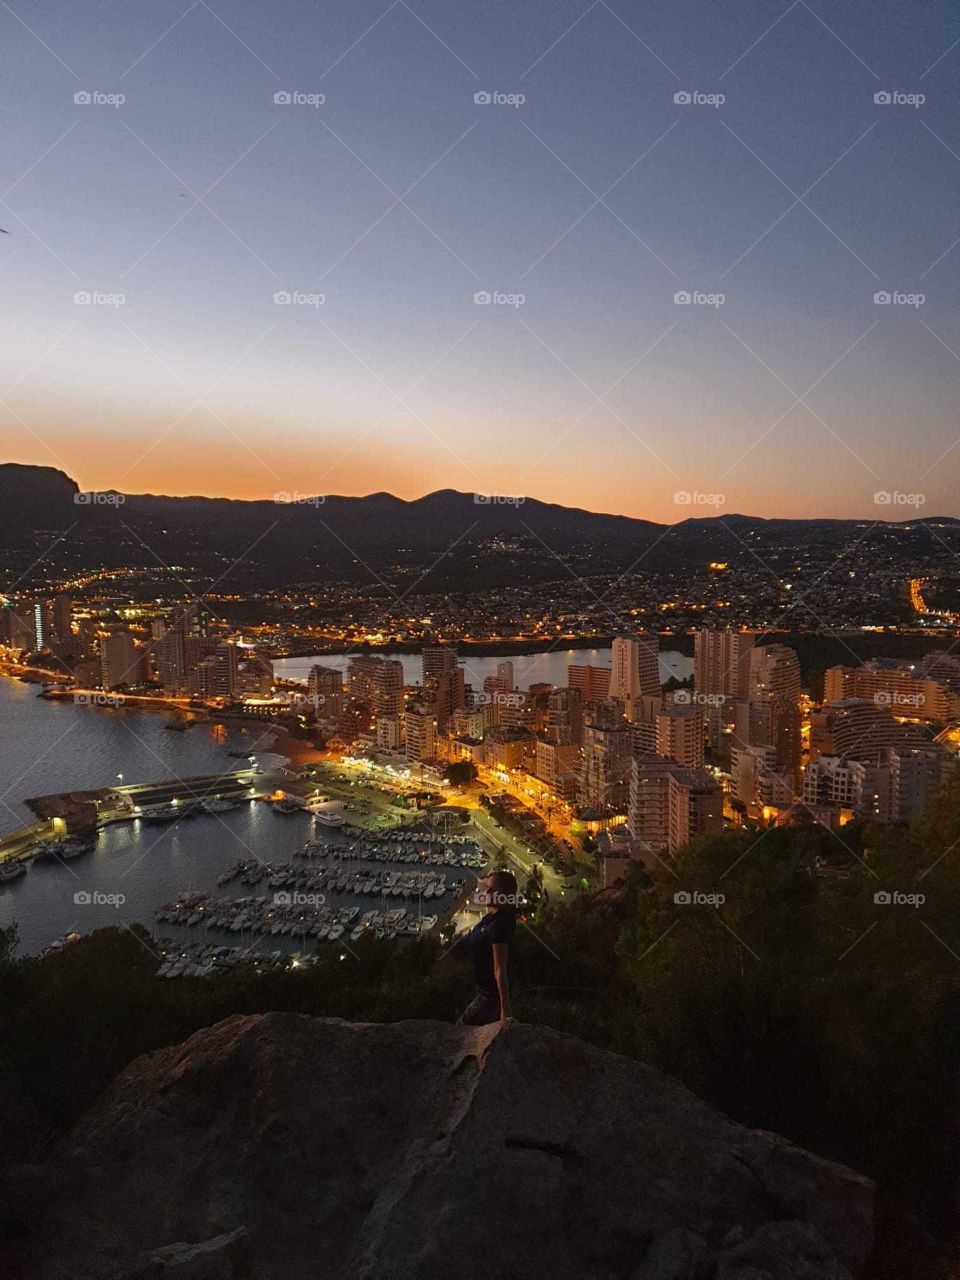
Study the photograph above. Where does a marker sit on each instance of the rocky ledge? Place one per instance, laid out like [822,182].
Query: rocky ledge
[283,1147]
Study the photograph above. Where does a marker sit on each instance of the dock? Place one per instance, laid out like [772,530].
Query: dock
[85,812]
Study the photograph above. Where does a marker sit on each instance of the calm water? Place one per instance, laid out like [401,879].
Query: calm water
[528,668]
[47,747]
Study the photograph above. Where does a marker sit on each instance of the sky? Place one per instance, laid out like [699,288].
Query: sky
[158,225]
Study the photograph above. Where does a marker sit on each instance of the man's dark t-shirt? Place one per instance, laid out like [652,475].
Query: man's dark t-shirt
[496,926]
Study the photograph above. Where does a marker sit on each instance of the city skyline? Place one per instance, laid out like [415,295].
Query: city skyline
[620,183]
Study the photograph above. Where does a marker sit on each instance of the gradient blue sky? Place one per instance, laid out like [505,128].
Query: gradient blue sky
[399,381]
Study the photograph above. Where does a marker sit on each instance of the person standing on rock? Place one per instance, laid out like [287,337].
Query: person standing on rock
[490,941]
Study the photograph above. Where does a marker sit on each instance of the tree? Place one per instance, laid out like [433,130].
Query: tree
[460,773]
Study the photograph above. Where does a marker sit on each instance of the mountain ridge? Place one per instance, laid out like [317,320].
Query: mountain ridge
[447,536]
[24,471]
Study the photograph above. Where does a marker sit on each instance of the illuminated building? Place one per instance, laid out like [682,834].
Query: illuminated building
[325,688]
[679,734]
[563,717]
[119,660]
[605,768]
[420,732]
[773,691]
[592,683]
[670,804]
[896,686]
[634,671]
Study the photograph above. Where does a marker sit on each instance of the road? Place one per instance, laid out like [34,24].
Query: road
[498,840]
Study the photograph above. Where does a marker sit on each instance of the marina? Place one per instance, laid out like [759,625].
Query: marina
[151,844]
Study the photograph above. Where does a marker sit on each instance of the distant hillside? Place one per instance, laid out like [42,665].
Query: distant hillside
[344,535]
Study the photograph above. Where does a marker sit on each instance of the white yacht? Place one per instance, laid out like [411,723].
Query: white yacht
[218,805]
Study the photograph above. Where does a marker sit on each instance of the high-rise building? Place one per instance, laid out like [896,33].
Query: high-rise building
[254,675]
[17,629]
[420,732]
[375,684]
[721,662]
[216,673]
[605,768]
[62,619]
[773,690]
[592,683]
[325,689]
[505,676]
[679,734]
[894,684]
[443,679]
[894,787]
[470,722]
[720,676]
[183,646]
[388,689]
[437,660]
[558,767]
[634,671]
[670,804]
[389,733]
[119,660]
[859,729]
[758,782]
[563,718]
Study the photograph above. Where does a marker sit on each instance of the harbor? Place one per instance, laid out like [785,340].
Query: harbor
[115,855]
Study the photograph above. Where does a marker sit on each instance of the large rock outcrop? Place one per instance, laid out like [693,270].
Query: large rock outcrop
[283,1147]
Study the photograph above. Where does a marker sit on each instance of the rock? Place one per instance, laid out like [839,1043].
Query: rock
[221,1258]
[677,1255]
[779,1250]
[419,1149]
